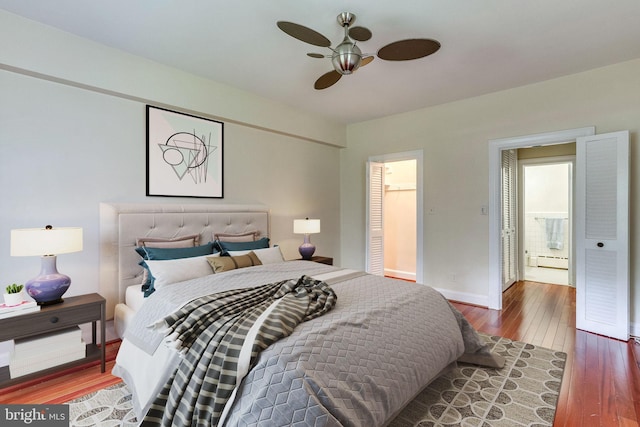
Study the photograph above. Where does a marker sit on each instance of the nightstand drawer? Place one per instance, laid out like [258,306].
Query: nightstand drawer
[45,321]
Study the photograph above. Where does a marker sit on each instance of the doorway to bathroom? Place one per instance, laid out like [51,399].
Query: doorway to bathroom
[546,189]
[601,232]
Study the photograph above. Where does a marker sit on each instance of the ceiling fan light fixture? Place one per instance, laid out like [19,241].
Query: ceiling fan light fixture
[346,57]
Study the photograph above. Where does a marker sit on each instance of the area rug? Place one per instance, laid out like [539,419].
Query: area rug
[523,393]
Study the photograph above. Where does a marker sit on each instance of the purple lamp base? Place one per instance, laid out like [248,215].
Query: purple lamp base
[50,285]
[306,249]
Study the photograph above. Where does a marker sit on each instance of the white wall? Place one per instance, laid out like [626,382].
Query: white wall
[546,188]
[455,138]
[73,137]
[31,48]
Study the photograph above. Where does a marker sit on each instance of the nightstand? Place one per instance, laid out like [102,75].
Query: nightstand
[73,311]
[322,259]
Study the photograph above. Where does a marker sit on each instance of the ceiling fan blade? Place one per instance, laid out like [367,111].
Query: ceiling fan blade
[326,80]
[360,34]
[304,34]
[405,50]
[315,55]
[366,60]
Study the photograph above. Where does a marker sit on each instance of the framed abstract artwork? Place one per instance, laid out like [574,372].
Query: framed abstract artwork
[184,155]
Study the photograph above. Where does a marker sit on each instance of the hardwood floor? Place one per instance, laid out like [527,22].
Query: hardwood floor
[601,384]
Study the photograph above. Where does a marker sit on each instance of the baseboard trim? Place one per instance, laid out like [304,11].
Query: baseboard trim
[399,274]
[634,329]
[465,297]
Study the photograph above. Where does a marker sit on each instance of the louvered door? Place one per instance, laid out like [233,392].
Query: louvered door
[602,234]
[375,218]
[509,218]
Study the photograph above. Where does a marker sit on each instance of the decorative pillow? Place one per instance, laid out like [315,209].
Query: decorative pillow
[266,256]
[224,247]
[175,242]
[166,272]
[174,253]
[226,263]
[149,253]
[244,237]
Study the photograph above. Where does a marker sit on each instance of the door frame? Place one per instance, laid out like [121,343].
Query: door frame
[495,201]
[571,161]
[418,156]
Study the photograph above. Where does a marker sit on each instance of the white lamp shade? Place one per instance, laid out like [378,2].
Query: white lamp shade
[306,226]
[41,241]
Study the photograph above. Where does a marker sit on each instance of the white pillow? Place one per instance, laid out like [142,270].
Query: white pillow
[266,255]
[170,271]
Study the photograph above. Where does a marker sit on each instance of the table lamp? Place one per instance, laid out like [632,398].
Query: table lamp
[47,242]
[306,226]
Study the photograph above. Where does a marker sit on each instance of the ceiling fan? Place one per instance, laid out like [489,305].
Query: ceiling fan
[347,56]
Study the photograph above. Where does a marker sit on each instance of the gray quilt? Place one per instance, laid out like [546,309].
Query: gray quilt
[221,336]
[357,365]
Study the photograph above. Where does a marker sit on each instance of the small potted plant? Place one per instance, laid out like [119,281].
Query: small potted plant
[13,295]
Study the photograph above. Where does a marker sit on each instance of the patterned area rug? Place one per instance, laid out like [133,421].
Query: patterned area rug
[108,407]
[524,392]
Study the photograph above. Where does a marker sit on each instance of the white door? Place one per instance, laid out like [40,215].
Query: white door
[509,218]
[375,219]
[602,234]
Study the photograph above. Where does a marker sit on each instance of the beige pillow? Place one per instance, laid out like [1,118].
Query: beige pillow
[244,237]
[174,242]
[226,263]
[266,256]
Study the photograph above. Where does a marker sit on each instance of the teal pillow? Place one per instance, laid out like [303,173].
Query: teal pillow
[147,286]
[225,247]
[166,254]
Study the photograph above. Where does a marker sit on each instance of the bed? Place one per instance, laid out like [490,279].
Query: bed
[123,224]
[358,364]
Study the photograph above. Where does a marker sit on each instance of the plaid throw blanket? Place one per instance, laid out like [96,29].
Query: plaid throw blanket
[220,336]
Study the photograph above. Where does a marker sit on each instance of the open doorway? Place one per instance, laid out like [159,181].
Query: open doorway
[400,236]
[601,225]
[546,195]
[496,148]
[395,216]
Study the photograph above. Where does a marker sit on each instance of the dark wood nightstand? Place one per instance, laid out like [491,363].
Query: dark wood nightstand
[322,259]
[73,311]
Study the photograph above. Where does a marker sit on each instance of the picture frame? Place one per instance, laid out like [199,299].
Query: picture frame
[185,155]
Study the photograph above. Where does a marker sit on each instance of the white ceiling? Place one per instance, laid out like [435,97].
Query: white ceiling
[487,45]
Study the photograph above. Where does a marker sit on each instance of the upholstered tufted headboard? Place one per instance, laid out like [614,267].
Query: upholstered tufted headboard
[122,224]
